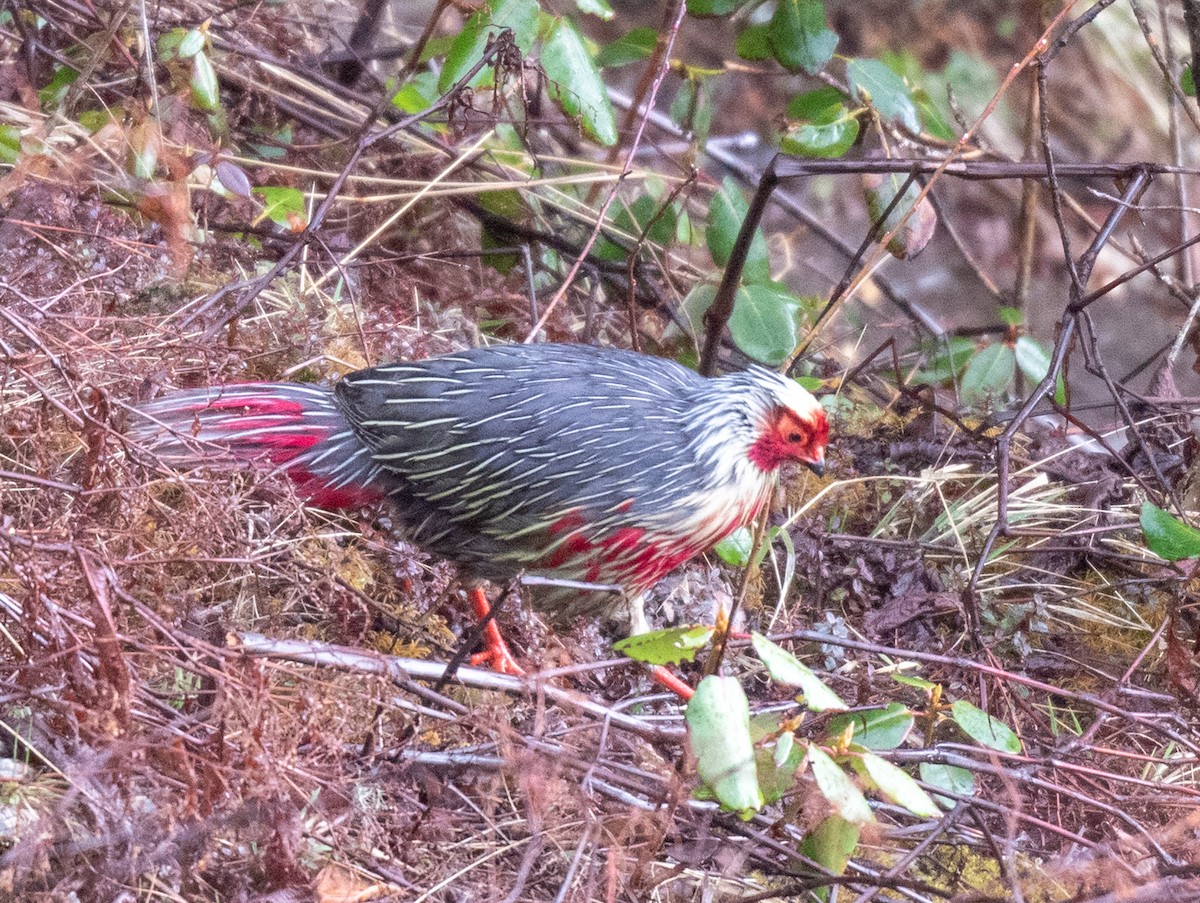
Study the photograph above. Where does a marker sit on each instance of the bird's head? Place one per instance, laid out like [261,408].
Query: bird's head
[793,426]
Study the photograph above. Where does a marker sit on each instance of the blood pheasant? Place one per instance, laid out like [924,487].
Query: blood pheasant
[567,461]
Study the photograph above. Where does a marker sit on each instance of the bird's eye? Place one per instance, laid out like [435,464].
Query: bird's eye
[794,437]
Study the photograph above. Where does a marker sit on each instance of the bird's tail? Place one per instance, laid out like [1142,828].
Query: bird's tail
[297,428]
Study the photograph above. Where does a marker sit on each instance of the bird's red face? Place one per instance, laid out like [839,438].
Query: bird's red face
[792,436]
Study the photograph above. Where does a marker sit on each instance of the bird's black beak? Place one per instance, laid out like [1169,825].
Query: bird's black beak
[817,467]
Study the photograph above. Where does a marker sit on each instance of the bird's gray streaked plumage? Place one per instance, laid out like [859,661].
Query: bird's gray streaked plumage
[569,461]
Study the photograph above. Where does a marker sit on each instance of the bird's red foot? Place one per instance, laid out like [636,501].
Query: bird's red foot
[497,654]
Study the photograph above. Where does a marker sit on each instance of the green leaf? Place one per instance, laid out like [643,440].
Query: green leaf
[646,213]
[692,108]
[191,44]
[831,843]
[1033,359]
[823,141]
[931,117]
[765,321]
[952,355]
[712,7]
[54,93]
[777,766]
[911,238]
[887,92]
[837,787]
[883,728]
[574,82]
[1167,536]
[990,375]
[416,94]
[692,310]
[787,669]
[629,48]
[95,120]
[490,240]
[895,784]
[206,92]
[754,42]
[10,144]
[666,647]
[983,728]
[598,8]
[1010,316]
[468,48]
[911,680]
[1187,81]
[280,202]
[718,727]
[726,212]
[168,44]
[735,548]
[822,105]
[800,37]
[950,778]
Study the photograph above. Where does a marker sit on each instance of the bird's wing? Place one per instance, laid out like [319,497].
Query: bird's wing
[505,453]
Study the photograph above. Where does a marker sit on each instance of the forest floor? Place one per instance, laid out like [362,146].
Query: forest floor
[211,691]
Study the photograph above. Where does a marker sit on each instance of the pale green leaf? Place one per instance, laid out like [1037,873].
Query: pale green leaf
[838,788]
[718,726]
[575,84]
[896,784]
[983,728]
[666,647]
[1167,536]
[787,669]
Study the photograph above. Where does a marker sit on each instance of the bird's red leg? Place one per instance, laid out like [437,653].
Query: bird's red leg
[672,681]
[497,653]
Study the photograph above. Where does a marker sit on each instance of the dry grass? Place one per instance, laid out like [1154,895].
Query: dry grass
[158,748]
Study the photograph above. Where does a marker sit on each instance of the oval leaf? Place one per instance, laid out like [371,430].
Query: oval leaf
[824,141]
[911,238]
[191,44]
[10,144]
[895,784]
[887,92]
[947,360]
[838,788]
[233,178]
[1167,536]
[718,726]
[754,42]
[787,669]
[950,778]
[831,843]
[711,7]
[282,203]
[800,37]
[666,647]
[983,728]
[735,548]
[765,321]
[575,83]
[726,212]
[989,375]
[884,728]
[820,105]
[205,92]
[519,15]
[636,45]
[1034,362]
